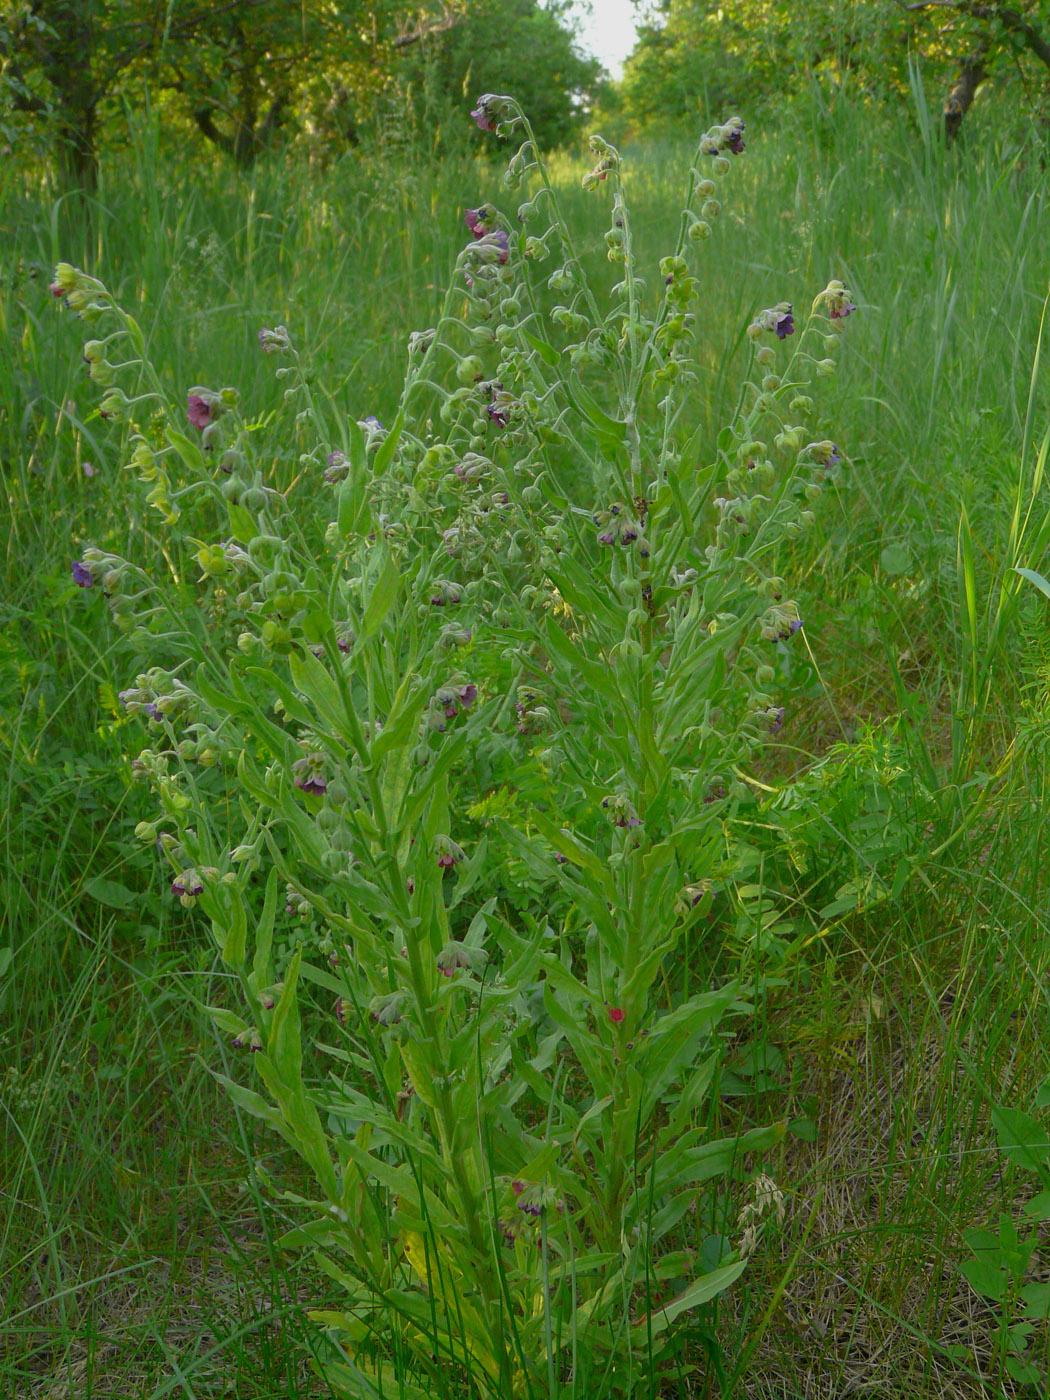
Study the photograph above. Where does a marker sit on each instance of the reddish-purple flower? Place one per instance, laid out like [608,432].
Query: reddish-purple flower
[198,410]
[615,1014]
[477,221]
[840,312]
[483,113]
[187,884]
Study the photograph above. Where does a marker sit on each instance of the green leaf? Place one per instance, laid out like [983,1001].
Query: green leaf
[388,446]
[547,353]
[109,892]
[594,413]
[1022,1140]
[187,450]
[382,598]
[243,525]
[700,1291]
[254,1104]
[236,933]
[895,559]
[985,1278]
[1038,1208]
[261,970]
[1032,577]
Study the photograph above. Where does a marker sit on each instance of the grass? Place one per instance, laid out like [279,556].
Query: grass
[135,1245]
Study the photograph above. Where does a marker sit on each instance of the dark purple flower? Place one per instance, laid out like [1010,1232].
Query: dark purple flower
[198,410]
[715,795]
[794,626]
[735,142]
[775,715]
[497,414]
[447,860]
[83,575]
[187,884]
[785,324]
[835,456]
[532,1208]
[314,783]
[467,695]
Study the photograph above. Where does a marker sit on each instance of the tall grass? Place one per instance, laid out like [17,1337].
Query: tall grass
[132,1260]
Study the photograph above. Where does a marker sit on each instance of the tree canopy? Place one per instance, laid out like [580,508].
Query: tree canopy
[239,72]
[759,52]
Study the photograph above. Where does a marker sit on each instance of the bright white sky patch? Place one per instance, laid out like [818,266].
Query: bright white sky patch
[607,31]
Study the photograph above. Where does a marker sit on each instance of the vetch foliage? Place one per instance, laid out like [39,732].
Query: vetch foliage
[459,759]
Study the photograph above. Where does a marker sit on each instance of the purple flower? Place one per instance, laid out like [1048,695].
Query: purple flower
[484,112]
[198,410]
[373,422]
[841,311]
[785,324]
[497,414]
[476,221]
[794,626]
[313,784]
[467,695]
[308,774]
[83,576]
[775,715]
[187,885]
[735,142]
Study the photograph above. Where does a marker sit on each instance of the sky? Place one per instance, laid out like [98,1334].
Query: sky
[608,31]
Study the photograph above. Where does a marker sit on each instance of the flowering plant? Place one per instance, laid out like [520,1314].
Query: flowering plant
[475,737]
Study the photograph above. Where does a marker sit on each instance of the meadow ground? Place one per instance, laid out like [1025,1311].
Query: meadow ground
[135,1246]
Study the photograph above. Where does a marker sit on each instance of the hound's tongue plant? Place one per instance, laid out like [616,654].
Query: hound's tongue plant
[459,765]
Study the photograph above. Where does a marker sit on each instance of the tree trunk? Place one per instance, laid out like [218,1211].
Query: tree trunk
[972,73]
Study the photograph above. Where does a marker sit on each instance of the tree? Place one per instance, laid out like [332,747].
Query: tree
[517,46]
[239,67]
[754,52]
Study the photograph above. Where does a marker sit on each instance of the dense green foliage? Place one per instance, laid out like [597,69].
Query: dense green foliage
[890,894]
[763,52]
[245,77]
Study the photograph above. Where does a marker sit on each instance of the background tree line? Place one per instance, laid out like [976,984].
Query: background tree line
[740,54]
[244,76]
